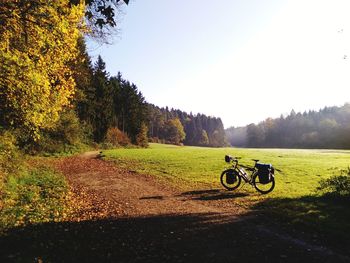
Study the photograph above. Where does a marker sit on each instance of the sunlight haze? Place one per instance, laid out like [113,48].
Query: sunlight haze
[243,61]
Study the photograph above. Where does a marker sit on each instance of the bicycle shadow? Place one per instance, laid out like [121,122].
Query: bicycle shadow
[212,195]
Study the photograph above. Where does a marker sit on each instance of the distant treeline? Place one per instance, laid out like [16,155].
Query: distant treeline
[200,130]
[327,128]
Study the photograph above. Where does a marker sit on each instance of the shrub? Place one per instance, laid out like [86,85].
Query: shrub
[67,136]
[337,185]
[69,128]
[116,137]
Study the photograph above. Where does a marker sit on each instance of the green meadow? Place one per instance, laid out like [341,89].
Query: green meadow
[295,201]
[190,166]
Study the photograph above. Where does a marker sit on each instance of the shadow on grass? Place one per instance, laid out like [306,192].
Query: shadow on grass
[205,237]
[321,217]
[213,194]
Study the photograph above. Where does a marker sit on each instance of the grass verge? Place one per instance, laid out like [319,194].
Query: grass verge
[33,196]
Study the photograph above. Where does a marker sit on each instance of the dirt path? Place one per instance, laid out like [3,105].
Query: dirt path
[128,217]
[130,194]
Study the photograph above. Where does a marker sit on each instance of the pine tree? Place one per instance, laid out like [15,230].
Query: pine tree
[85,93]
[103,100]
[130,107]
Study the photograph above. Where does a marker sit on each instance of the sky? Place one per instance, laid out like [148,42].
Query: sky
[240,60]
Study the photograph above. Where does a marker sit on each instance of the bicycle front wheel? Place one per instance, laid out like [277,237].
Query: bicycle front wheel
[263,187]
[230,179]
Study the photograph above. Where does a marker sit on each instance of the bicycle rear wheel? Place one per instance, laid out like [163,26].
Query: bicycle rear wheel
[230,179]
[263,188]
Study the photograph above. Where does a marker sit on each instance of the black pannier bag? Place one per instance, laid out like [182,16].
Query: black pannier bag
[230,177]
[265,172]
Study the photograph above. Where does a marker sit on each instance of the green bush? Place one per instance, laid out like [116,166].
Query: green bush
[33,197]
[68,136]
[336,185]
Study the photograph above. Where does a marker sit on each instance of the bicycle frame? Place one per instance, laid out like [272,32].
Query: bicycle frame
[248,178]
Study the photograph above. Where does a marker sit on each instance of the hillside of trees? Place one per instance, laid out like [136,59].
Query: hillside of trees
[200,130]
[327,128]
[111,102]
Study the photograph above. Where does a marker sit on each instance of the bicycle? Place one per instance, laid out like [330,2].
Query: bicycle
[261,177]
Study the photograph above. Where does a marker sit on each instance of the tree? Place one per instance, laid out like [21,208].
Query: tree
[142,138]
[37,43]
[255,135]
[84,97]
[156,121]
[204,139]
[100,14]
[175,131]
[130,107]
[191,131]
[218,136]
[103,100]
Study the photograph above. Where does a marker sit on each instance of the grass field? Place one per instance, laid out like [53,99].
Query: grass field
[295,199]
[301,169]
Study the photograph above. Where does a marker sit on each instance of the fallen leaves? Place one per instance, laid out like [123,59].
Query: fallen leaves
[86,203]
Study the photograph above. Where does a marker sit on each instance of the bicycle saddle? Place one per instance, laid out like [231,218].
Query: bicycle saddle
[255,160]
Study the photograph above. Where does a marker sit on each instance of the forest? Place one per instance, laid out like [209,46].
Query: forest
[53,98]
[326,128]
[200,130]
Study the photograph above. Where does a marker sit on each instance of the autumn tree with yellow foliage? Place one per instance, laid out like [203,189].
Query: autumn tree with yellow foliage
[38,41]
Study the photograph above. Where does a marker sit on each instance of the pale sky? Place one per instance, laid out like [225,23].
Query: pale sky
[243,61]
